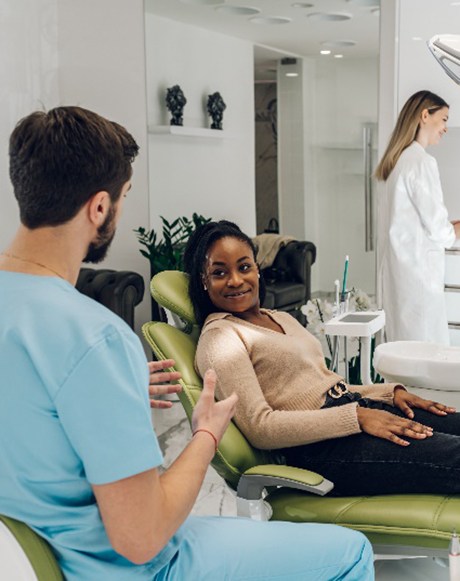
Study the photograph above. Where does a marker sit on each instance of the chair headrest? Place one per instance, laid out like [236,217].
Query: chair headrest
[170,289]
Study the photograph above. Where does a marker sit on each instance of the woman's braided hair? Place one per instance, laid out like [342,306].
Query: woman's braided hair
[195,258]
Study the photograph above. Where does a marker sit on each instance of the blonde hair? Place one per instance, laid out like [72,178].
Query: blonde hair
[406,129]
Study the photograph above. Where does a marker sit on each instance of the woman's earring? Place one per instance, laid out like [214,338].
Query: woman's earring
[258,275]
[205,287]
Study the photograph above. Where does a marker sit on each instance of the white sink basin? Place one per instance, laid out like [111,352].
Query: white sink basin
[419,364]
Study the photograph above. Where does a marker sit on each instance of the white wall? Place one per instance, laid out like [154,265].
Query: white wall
[291,194]
[418,68]
[102,67]
[212,176]
[388,72]
[28,81]
[408,66]
[62,53]
[340,97]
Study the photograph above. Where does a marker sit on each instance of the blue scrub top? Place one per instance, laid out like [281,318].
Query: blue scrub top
[74,410]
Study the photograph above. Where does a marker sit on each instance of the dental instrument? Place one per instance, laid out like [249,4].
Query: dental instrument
[344,281]
[337,298]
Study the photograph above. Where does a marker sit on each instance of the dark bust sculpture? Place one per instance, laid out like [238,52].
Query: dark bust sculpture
[175,102]
[216,108]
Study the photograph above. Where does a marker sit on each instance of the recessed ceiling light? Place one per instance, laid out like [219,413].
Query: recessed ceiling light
[455,3]
[269,20]
[204,2]
[292,74]
[338,56]
[338,43]
[238,10]
[324,52]
[417,38]
[330,16]
[302,5]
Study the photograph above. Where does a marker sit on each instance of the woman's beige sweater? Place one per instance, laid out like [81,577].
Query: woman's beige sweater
[281,380]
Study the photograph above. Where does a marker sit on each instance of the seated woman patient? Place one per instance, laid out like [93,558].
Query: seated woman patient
[367,439]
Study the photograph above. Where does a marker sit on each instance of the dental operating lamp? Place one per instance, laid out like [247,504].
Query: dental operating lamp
[446,50]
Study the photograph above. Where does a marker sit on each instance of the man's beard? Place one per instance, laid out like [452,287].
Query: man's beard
[98,249]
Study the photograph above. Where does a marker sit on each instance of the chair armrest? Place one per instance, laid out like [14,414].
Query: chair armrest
[255,479]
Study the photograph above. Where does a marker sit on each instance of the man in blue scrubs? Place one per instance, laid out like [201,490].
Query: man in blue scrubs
[78,455]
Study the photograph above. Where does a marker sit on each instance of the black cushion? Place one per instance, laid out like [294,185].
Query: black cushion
[282,294]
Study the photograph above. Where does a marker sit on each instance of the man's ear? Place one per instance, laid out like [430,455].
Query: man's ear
[98,207]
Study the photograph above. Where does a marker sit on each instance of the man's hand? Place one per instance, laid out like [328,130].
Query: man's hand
[405,401]
[142,512]
[159,382]
[390,427]
[209,414]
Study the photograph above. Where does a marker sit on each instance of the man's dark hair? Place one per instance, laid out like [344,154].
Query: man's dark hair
[195,258]
[61,158]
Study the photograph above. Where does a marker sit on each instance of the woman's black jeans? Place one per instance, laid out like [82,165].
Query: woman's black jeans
[362,464]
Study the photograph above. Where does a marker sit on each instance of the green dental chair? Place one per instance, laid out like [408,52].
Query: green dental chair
[24,556]
[406,525]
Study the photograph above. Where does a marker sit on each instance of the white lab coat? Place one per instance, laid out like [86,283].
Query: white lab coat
[413,231]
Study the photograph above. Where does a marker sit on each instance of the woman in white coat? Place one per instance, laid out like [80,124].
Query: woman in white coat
[413,227]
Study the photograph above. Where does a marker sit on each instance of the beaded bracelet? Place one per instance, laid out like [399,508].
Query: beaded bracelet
[207,432]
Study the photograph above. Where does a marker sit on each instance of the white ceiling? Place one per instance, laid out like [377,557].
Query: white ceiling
[302,35]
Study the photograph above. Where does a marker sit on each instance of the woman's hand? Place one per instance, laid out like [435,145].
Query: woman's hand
[159,382]
[405,401]
[391,427]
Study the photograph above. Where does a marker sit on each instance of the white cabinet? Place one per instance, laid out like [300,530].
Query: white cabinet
[453,294]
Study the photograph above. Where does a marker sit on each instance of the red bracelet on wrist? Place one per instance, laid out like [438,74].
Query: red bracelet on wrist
[207,432]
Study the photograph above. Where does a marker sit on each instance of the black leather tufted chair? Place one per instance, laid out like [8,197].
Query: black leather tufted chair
[118,290]
[288,280]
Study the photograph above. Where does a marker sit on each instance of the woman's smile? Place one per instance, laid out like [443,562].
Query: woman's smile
[236,294]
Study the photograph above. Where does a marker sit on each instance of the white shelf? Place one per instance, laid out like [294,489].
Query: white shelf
[355,324]
[186,131]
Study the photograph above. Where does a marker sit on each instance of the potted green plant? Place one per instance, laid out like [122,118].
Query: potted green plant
[166,253]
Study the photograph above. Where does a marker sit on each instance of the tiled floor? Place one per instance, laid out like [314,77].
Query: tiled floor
[216,498]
